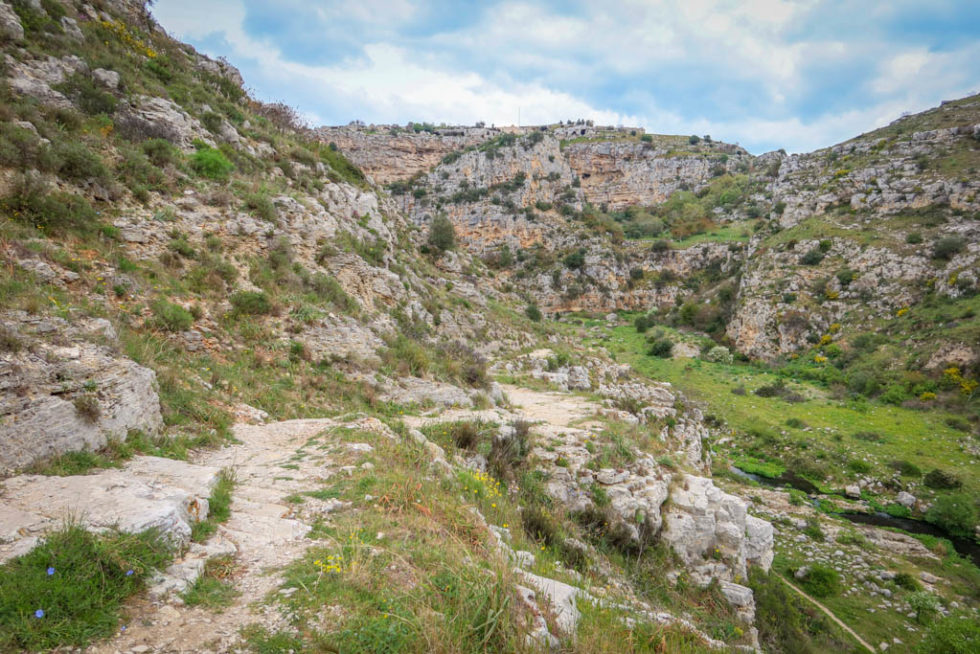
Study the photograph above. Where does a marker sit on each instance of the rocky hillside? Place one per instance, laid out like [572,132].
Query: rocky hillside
[225,352]
[253,400]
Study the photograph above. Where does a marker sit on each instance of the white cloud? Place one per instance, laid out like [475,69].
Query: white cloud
[518,55]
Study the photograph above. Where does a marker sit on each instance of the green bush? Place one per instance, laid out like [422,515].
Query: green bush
[29,202]
[69,590]
[958,633]
[77,161]
[812,257]
[941,479]
[442,234]
[211,163]
[574,260]
[87,95]
[821,581]
[947,247]
[262,206]
[172,317]
[956,513]
[329,289]
[160,152]
[662,347]
[533,312]
[251,303]
[905,468]
[907,581]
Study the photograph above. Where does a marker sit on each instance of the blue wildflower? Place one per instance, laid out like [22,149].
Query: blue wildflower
[129,573]
[50,571]
[39,613]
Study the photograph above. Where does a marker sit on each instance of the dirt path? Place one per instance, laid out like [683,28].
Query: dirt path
[263,529]
[830,614]
[559,409]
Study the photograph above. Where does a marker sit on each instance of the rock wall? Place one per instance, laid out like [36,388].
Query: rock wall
[619,174]
[390,154]
[63,388]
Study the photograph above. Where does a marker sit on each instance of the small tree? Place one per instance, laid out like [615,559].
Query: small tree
[442,234]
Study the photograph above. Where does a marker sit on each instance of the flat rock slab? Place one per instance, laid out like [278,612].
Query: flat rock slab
[149,492]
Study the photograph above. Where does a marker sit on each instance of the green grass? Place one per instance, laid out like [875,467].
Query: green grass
[921,437]
[213,589]
[79,581]
[728,233]
[759,467]
[219,507]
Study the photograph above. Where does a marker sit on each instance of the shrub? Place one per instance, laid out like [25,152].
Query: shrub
[947,247]
[533,312]
[407,356]
[907,581]
[29,202]
[574,260]
[662,347]
[262,206]
[958,633]
[211,163]
[170,316]
[660,246]
[942,479]
[812,257]
[330,289]
[694,139]
[913,238]
[719,354]
[251,303]
[87,406]
[905,468]
[75,160]
[956,513]
[821,581]
[88,96]
[442,234]
[925,605]
[160,152]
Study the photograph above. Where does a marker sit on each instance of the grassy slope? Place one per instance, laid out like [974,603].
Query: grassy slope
[920,437]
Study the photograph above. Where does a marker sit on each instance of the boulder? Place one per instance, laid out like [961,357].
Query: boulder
[107,78]
[68,393]
[905,499]
[149,493]
[10,27]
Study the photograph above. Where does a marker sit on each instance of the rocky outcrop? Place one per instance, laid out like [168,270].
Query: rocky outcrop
[712,533]
[150,493]
[10,27]
[390,153]
[63,388]
[618,174]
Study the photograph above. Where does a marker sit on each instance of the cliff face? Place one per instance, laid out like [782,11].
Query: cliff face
[392,154]
[872,210]
[859,231]
[619,174]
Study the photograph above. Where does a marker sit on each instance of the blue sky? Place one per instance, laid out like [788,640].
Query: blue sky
[798,74]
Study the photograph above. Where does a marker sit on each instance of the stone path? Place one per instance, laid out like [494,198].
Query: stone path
[263,531]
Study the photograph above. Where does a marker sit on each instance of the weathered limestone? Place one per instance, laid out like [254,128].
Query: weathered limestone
[149,493]
[61,391]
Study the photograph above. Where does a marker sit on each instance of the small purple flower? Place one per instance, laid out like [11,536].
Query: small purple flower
[39,613]
[129,573]
[50,571]
[122,628]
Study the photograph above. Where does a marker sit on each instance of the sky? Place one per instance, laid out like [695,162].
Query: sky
[766,74]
